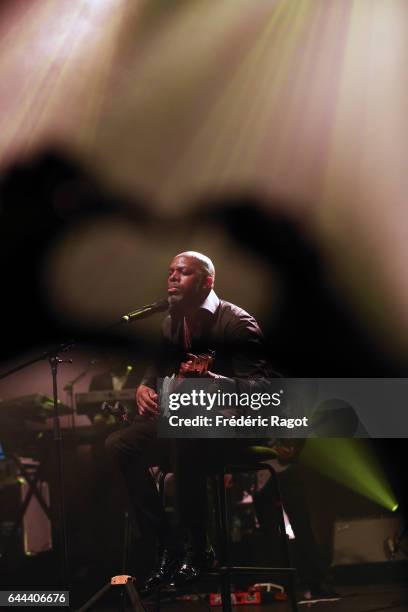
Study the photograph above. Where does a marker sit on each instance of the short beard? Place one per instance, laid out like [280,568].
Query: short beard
[179,305]
[175,302]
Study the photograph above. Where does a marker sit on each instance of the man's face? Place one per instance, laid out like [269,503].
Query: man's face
[187,283]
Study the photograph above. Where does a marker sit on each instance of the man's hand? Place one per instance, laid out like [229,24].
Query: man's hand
[146,400]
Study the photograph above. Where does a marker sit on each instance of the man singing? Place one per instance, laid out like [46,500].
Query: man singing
[198,322]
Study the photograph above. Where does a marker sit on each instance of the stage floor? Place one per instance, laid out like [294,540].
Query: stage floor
[372,598]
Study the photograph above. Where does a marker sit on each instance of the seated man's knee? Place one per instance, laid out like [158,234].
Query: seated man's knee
[119,444]
[113,444]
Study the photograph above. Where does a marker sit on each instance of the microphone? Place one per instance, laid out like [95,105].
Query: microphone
[146,311]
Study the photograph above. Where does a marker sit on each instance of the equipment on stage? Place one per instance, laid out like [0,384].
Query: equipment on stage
[98,397]
[25,517]
[114,402]
[367,540]
[8,472]
[35,407]
[22,421]
[397,543]
[128,588]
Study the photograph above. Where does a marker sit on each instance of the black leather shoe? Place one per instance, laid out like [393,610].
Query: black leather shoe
[190,567]
[159,576]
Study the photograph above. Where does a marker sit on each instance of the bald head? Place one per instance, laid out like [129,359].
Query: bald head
[190,280]
[203,261]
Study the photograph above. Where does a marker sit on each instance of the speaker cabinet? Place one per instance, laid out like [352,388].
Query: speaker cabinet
[368,540]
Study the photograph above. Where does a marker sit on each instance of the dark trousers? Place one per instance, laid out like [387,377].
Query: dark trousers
[137,447]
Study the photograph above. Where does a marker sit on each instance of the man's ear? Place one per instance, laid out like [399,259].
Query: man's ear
[209,282]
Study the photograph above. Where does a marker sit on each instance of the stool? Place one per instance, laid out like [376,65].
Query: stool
[250,460]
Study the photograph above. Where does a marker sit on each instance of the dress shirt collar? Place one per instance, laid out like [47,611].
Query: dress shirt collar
[211,302]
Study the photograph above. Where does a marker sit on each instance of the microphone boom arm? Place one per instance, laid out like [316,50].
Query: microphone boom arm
[146,311]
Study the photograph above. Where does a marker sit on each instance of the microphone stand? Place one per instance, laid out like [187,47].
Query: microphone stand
[54,360]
